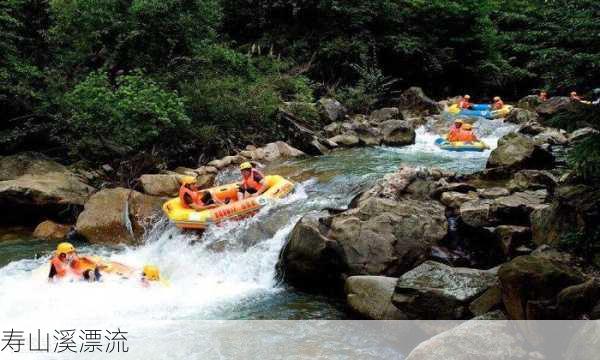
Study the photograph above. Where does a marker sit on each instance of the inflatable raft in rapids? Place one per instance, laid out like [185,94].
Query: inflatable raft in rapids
[278,187]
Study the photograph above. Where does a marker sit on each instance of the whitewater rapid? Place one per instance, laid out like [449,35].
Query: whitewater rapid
[230,266]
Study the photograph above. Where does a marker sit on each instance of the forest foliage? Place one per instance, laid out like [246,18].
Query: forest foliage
[99,80]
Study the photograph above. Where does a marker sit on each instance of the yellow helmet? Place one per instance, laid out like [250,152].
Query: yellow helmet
[64,248]
[458,121]
[467,126]
[467,96]
[151,273]
[496,98]
[245,166]
[186,180]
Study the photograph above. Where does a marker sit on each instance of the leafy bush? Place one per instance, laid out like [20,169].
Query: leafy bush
[371,90]
[585,159]
[133,114]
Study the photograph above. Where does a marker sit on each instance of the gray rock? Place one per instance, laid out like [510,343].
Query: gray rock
[493,192]
[109,213]
[553,105]
[437,291]
[519,152]
[486,302]
[456,199]
[347,140]
[381,115]
[573,209]
[533,180]
[309,258]
[521,116]
[398,133]
[491,340]
[510,237]
[163,184]
[32,186]
[529,102]
[333,129]
[331,110]
[531,128]
[371,297]
[417,103]
[529,279]
[551,136]
[388,237]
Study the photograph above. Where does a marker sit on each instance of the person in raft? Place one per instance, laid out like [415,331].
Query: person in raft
[543,96]
[65,263]
[466,133]
[253,182]
[498,103]
[455,130]
[464,103]
[192,198]
[150,273]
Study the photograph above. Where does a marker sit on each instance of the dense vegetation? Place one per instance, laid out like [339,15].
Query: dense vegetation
[102,80]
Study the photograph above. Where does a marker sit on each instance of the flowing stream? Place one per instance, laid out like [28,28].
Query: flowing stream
[229,273]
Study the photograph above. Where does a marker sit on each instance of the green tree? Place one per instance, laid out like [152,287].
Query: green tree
[131,115]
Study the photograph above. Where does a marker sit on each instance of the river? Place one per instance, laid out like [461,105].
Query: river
[230,272]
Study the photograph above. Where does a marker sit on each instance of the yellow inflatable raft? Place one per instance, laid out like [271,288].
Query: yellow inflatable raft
[278,187]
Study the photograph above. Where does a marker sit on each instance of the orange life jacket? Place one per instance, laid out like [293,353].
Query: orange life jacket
[184,190]
[62,269]
[466,135]
[250,183]
[453,134]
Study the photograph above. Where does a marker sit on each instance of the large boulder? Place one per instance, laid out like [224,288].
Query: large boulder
[331,110]
[574,209]
[371,297]
[388,230]
[114,216]
[417,103]
[510,209]
[551,136]
[333,129]
[437,291]
[301,136]
[384,114]
[346,140]
[49,230]
[387,237]
[553,105]
[398,133]
[280,150]
[529,102]
[367,134]
[533,180]
[309,258]
[521,116]
[578,300]
[519,152]
[528,280]
[491,340]
[33,186]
